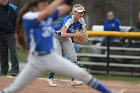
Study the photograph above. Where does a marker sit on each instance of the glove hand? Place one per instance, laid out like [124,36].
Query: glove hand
[80,34]
[80,38]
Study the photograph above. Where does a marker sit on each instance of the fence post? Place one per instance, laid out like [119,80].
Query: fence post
[108,55]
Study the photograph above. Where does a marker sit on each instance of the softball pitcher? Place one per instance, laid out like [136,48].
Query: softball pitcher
[64,30]
[42,57]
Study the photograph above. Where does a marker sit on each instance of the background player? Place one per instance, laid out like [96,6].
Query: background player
[42,57]
[65,29]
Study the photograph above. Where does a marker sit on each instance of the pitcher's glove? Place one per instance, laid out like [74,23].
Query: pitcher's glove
[80,39]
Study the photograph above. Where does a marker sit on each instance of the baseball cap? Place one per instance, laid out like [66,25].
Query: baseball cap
[78,8]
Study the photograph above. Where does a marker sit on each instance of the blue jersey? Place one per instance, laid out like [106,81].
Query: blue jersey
[72,26]
[39,33]
[112,25]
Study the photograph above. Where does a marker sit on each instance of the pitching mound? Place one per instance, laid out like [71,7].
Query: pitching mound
[41,86]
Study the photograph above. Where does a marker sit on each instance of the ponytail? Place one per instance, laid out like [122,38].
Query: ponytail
[19,28]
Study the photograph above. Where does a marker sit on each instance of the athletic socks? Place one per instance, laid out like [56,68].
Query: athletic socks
[93,83]
[51,75]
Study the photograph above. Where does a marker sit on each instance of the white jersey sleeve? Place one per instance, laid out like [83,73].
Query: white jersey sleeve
[68,23]
[30,19]
[31,15]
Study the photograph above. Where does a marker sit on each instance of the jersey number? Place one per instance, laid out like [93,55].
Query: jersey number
[47,31]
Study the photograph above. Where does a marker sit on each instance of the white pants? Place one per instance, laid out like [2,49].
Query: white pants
[52,63]
[66,45]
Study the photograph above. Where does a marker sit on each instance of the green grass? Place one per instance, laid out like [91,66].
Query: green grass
[22,56]
[118,78]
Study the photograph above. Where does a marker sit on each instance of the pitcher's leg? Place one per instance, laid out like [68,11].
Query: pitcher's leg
[64,66]
[28,74]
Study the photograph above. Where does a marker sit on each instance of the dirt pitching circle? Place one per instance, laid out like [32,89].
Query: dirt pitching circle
[41,86]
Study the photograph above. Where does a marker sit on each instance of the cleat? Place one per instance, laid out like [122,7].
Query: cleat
[76,83]
[51,82]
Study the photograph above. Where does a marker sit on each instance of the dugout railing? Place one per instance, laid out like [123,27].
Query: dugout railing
[105,63]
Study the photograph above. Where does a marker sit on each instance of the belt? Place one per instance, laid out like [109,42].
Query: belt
[42,53]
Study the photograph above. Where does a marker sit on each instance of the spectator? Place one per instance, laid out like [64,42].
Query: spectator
[8,15]
[110,24]
[134,28]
